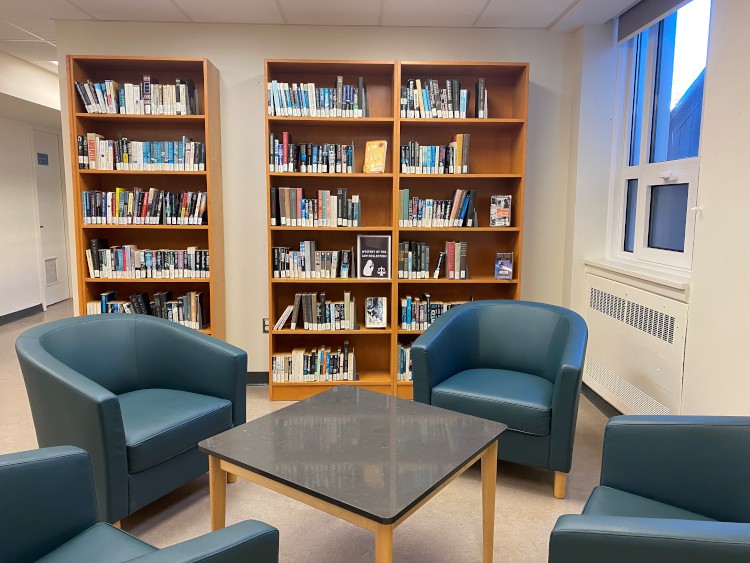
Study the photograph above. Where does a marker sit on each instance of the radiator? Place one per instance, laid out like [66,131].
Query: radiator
[636,347]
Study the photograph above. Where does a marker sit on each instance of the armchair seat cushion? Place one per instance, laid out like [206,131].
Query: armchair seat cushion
[160,424]
[101,542]
[520,400]
[606,501]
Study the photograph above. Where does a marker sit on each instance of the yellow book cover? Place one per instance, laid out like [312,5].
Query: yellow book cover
[375,152]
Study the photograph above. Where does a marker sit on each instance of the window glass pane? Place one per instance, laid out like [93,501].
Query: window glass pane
[631,199]
[666,224]
[640,43]
[678,92]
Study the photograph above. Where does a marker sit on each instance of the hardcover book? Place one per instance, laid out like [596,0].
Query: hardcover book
[376,312]
[504,266]
[375,154]
[374,256]
[500,211]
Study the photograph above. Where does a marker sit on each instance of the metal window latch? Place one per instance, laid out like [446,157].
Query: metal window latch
[667,176]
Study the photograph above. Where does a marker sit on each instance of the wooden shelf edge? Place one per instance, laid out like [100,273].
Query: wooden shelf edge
[475,280]
[147,172]
[344,229]
[329,175]
[460,229]
[362,331]
[146,280]
[138,117]
[152,227]
[325,120]
[385,381]
[328,280]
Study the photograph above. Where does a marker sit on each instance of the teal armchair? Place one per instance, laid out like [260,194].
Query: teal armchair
[137,393]
[673,488]
[515,362]
[49,514]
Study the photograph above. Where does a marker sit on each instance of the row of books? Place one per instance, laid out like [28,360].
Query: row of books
[188,310]
[312,311]
[143,207]
[324,158]
[315,364]
[308,262]
[413,260]
[426,99]
[97,153]
[403,363]
[290,207]
[147,98]
[458,211]
[305,100]
[452,158]
[456,267]
[417,313]
[128,262]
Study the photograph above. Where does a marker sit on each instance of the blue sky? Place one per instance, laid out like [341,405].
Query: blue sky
[691,46]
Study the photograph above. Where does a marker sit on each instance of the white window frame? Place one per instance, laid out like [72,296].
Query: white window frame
[683,171]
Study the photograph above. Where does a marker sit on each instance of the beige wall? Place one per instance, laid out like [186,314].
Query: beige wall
[717,357]
[238,52]
[590,157]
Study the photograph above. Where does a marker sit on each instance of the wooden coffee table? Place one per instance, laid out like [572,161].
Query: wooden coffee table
[367,458]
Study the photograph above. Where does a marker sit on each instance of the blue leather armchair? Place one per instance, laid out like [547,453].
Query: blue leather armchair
[673,488]
[137,393]
[515,362]
[49,514]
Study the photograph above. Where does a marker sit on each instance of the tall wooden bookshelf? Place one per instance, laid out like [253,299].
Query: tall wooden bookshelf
[497,167]
[203,126]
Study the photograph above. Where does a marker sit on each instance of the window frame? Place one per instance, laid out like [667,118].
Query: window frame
[647,174]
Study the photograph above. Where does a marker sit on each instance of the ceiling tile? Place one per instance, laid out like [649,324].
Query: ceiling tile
[30,50]
[8,31]
[331,12]
[595,12]
[37,16]
[430,13]
[529,13]
[231,11]
[132,10]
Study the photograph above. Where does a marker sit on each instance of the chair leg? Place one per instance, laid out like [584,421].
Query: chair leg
[560,482]
[231,478]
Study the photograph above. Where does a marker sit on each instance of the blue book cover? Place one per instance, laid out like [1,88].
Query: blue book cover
[170,155]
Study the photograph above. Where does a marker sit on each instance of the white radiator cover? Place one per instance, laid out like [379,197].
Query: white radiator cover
[636,347]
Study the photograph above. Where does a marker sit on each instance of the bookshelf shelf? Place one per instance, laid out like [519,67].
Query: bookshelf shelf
[496,166]
[142,172]
[328,175]
[203,126]
[162,281]
[130,118]
[330,281]
[148,227]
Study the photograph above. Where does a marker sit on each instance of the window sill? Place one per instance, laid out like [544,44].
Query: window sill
[671,284]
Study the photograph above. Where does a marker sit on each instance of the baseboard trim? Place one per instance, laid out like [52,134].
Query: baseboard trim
[257,378]
[22,314]
[602,405]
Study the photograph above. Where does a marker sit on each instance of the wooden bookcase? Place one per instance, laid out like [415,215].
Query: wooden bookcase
[497,167]
[204,127]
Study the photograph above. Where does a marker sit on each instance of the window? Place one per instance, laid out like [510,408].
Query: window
[656,184]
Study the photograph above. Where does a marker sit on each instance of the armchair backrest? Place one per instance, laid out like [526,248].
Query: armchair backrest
[525,336]
[47,498]
[102,348]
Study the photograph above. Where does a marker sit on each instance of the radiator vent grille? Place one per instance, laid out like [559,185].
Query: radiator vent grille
[645,319]
[50,271]
[637,400]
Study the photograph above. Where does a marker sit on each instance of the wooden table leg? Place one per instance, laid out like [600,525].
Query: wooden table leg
[217,485]
[384,544]
[489,478]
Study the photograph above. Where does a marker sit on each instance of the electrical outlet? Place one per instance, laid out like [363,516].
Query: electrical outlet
[265,325]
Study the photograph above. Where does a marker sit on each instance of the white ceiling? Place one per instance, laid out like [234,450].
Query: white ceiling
[27,28]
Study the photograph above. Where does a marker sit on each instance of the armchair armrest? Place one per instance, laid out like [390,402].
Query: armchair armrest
[592,539]
[72,409]
[447,347]
[565,396]
[699,463]
[172,356]
[250,541]
[47,497]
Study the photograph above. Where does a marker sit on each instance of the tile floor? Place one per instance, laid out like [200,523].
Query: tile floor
[447,529]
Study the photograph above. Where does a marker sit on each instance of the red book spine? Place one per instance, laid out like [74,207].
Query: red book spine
[450,255]
[285,153]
